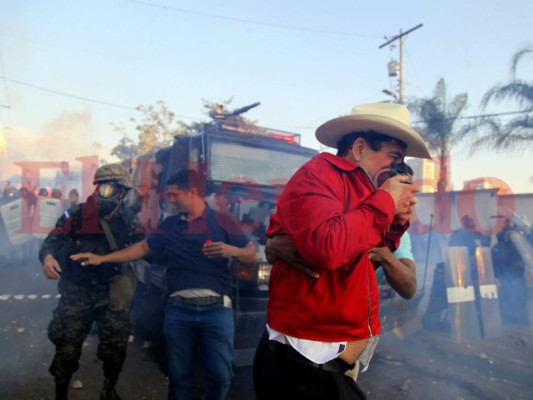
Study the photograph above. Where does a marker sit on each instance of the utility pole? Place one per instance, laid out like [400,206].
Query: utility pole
[401,68]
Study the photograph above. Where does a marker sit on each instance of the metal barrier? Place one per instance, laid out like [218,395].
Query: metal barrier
[17,221]
[491,321]
[461,295]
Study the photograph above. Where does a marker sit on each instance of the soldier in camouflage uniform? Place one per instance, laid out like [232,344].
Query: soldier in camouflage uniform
[85,290]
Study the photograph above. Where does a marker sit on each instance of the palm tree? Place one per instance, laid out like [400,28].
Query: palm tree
[517,133]
[439,125]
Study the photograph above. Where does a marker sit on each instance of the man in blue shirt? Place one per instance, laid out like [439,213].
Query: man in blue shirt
[198,243]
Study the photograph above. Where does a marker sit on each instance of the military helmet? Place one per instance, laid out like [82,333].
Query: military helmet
[113,173]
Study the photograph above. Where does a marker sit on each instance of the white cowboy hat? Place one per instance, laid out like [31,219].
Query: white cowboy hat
[390,119]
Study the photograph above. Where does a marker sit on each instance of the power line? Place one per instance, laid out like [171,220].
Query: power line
[106,103]
[481,115]
[67,94]
[197,118]
[254,22]
[495,114]
[445,119]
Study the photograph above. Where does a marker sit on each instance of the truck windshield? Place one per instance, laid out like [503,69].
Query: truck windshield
[238,162]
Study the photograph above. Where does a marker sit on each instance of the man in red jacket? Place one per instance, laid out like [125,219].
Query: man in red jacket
[334,214]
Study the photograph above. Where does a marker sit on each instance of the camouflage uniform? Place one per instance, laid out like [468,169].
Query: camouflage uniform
[85,290]
[81,305]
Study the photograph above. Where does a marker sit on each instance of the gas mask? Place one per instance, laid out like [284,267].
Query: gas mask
[109,196]
[130,204]
[393,170]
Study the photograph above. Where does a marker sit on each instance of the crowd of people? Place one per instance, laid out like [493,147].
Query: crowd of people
[337,224]
[335,220]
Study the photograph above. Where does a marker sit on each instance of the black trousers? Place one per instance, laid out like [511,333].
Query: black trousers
[280,372]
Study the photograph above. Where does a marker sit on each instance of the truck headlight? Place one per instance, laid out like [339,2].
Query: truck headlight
[263,273]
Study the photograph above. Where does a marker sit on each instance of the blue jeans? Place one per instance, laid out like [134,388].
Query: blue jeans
[206,331]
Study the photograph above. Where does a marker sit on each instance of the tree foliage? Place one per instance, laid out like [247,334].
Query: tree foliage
[158,127]
[155,130]
[517,133]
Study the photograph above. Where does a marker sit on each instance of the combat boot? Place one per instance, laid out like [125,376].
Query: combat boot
[62,390]
[108,390]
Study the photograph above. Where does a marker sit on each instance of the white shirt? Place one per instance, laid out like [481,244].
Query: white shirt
[322,352]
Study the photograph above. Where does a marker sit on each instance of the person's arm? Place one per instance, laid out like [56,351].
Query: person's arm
[246,254]
[49,249]
[312,211]
[235,245]
[400,273]
[131,253]
[51,267]
[401,222]
[282,247]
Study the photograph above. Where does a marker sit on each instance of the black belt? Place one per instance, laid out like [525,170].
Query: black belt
[335,365]
[199,301]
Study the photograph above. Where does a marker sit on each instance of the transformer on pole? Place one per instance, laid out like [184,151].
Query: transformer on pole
[393,65]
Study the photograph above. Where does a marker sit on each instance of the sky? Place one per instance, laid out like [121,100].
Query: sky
[69,70]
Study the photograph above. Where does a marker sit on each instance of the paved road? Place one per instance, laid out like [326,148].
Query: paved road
[426,365]
[26,303]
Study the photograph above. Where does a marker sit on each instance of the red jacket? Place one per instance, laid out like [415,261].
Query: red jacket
[334,215]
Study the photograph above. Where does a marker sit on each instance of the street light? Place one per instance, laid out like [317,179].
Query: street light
[389,93]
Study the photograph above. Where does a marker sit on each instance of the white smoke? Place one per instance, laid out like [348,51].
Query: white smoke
[69,135]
